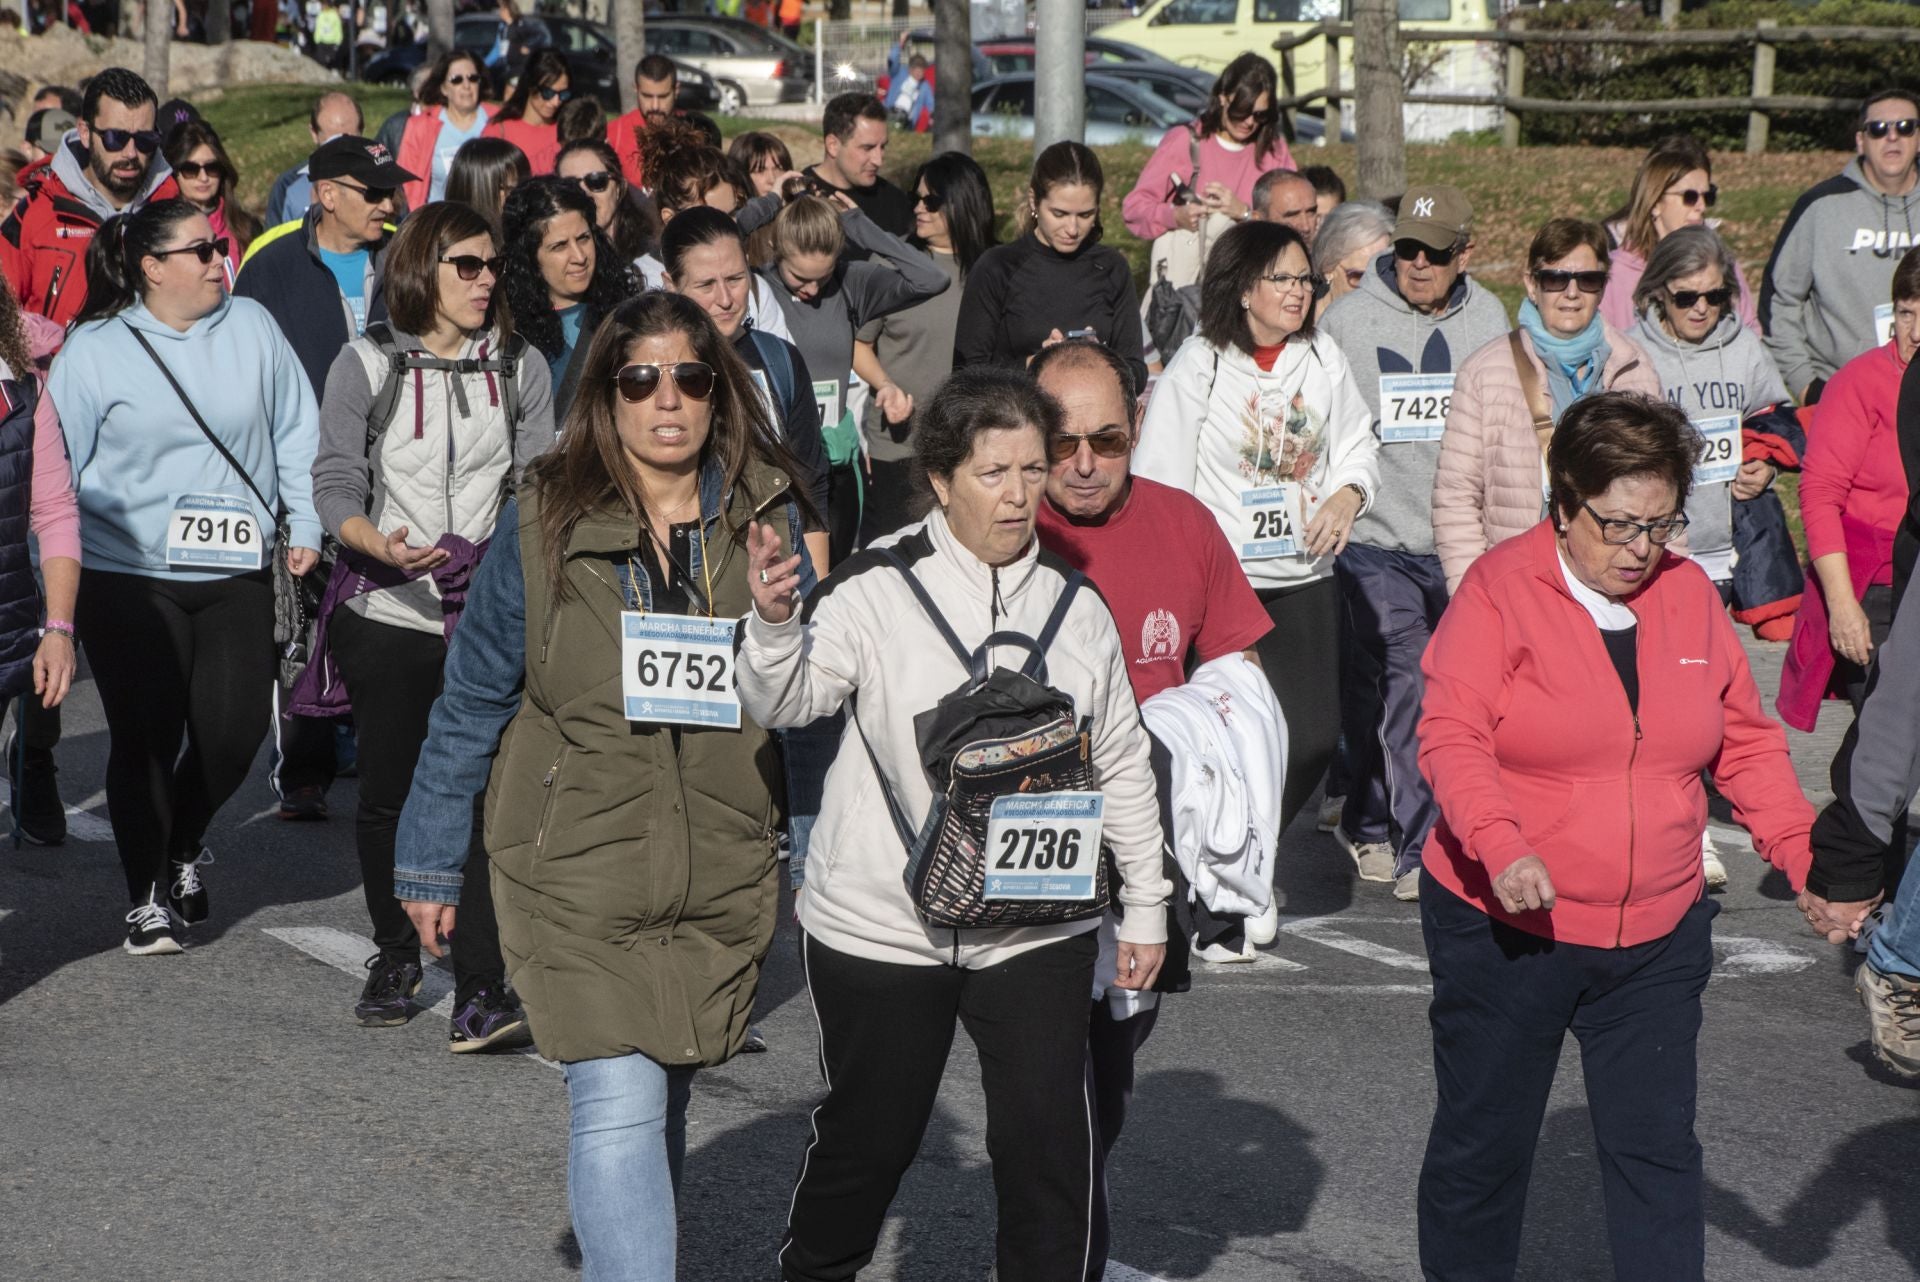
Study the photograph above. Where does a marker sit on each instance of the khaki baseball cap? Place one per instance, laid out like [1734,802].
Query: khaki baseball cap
[1434,214]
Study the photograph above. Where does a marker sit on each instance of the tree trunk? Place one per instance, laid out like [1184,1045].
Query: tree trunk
[159,45]
[1379,125]
[630,46]
[952,76]
[900,10]
[439,27]
[1059,72]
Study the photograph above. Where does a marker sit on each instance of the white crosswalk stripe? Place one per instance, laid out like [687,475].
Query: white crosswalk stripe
[1318,930]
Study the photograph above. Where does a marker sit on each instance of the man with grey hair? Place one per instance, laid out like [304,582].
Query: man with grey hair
[1414,317]
[1283,196]
[334,113]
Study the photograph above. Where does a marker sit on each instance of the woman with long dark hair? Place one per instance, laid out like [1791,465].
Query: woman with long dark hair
[560,277]
[764,158]
[450,116]
[485,171]
[530,117]
[413,464]
[624,794]
[1673,188]
[206,177]
[904,355]
[593,168]
[1055,280]
[192,428]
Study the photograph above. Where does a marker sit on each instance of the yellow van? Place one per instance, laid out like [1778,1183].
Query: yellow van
[1210,33]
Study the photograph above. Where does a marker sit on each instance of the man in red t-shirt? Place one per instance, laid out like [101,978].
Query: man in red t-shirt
[1178,596]
[656,83]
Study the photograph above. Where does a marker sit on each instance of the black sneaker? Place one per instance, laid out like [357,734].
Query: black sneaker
[150,928]
[185,893]
[39,819]
[492,1018]
[390,982]
[304,804]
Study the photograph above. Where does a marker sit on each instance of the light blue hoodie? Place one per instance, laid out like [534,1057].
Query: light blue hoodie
[135,449]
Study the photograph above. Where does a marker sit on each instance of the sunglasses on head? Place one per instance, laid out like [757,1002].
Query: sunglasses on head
[597,181]
[1555,282]
[1408,250]
[932,202]
[469,266]
[1879,128]
[1691,196]
[1685,299]
[462,80]
[148,139]
[549,93]
[206,251]
[1108,442]
[194,169]
[692,379]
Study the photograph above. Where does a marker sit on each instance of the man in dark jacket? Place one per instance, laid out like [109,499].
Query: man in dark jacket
[321,282]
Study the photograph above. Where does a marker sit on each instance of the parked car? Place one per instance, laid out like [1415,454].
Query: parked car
[749,66]
[1117,110]
[588,47]
[1190,88]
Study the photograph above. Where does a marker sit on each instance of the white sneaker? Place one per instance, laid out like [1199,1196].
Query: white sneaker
[1374,859]
[1220,955]
[1265,928]
[1330,813]
[1406,887]
[1710,861]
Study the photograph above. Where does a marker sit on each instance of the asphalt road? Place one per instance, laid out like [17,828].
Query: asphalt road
[218,1115]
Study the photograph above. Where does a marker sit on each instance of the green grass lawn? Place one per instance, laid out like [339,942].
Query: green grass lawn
[265,129]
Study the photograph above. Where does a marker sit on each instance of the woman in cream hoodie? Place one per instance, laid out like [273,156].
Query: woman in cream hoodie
[1259,417]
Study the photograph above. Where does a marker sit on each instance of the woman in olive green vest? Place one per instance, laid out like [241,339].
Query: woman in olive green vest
[629,808]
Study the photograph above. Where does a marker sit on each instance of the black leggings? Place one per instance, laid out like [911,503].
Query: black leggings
[393,676]
[176,661]
[1301,658]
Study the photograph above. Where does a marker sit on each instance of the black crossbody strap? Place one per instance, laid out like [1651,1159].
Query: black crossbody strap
[199,422]
[899,563]
[1057,618]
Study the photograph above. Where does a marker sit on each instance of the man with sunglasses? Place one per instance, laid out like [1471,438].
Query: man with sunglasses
[1825,297]
[110,164]
[1414,317]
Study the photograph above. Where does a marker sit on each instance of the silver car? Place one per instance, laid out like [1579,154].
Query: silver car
[1117,110]
[750,66]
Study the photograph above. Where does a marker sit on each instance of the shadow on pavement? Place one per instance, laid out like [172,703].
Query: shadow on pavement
[1873,1165]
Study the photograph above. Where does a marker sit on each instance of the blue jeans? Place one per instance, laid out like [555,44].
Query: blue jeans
[627,1140]
[1895,949]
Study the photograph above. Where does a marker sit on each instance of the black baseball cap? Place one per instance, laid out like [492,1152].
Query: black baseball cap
[362,159]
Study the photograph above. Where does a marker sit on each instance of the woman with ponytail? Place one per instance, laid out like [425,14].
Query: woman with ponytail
[192,430]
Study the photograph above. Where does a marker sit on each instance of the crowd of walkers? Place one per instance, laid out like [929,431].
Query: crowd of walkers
[634,516]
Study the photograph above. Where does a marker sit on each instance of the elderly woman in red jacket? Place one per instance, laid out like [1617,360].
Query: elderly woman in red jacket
[1579,682]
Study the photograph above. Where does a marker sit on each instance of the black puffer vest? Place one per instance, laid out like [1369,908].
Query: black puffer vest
[19,590]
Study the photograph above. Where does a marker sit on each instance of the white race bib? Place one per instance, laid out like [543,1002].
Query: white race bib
[827,393]
[1413,407]
[678,670]
[1044,846]
[1720,460]
[1270,521]
[214,532]
[1883,323]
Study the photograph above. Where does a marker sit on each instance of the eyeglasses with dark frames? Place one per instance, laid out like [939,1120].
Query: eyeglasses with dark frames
[1880,128]
[194,169]
[469,266]
[1687,299]
[461,80]
[112,140]
[1408,250]
[1283,283]
[1619,532]
[1554,281]
[596,182]
[548,93]
[931,201]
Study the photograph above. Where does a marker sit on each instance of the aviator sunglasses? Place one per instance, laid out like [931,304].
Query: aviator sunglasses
[1109,442]
[693,379]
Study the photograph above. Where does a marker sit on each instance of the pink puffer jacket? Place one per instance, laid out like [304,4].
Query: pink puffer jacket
[1489,483]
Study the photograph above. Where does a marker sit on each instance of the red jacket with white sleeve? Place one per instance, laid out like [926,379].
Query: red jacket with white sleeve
[1531,747]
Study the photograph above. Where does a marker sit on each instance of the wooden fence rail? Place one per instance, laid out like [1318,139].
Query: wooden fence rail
[1513,102]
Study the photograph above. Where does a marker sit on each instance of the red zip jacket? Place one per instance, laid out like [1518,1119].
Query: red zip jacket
[43,243]
[1531,748]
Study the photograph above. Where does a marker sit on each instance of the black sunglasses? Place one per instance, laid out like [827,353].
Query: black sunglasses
[1685,299]
[206,251]
[692,379]
[1109,442]
[1556,282]
[1408,250]
[549,93]
[371,195]
[462,80]
[1265,116]
[194,169]
[1691,196]
[932,202]
[1874,128]
[597,181]
[148,139]
[469,266]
